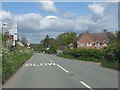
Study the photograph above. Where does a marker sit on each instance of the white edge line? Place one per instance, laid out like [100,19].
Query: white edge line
[86,85]
[62,68]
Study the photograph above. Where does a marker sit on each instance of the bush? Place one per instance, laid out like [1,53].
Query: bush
[81,53]
[108,57]
[66,56]
[52,50]
[112,65]
[90,59]
[112,53]
[11,61]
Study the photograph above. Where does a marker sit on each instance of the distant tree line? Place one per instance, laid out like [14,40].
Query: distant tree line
[50,45]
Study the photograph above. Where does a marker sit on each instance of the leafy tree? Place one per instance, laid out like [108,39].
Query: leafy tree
[50,43]
[53,45]
[111,37]
[46,41]
[105,30]
[66,38]
[118,36]
[24,41]
[35,47]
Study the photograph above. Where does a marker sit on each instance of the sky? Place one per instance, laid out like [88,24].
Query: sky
[38,19]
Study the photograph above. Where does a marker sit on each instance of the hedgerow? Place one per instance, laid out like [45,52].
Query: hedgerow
[109,57]
[84,53]
[11,61]
[112,53]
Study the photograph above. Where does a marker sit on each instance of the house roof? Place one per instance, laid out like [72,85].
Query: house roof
[94,36]
[80,35]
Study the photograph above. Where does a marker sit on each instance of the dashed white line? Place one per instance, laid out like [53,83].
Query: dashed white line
[62,68]
[86,85]
[51,60]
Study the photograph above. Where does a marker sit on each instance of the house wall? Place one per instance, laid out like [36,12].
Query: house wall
[86,41]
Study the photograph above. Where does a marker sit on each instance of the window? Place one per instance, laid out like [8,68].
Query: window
[88,44]
[97,43]
[81,44]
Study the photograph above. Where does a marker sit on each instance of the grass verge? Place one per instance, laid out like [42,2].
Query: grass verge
[112,65]
[12,61]
[104,63]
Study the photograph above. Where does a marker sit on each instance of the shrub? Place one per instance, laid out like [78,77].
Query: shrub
[89,59]
[112,53]
[11,61]
[66,56]
[112,65]
[95,53]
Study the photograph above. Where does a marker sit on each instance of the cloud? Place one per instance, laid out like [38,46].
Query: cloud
[5,15]
[48,6]
[28,22]
[35,26]
[69,15]
[96,9]
[51,17]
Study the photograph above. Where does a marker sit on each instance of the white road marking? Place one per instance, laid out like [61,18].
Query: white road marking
[35,64]
[86,85]
[62,68]
[43,64]
[51,64]
[26,65]
[51,60]
[40,64]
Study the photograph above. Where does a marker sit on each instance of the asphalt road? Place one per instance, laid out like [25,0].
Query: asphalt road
[50,71]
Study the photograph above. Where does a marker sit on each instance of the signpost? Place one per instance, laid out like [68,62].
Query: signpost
[10,28]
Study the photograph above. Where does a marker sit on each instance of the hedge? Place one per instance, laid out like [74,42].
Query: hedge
[11,61]
[84,53]
[109,57]
[112,53]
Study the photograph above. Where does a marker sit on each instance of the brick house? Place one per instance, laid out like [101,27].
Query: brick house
[92,40]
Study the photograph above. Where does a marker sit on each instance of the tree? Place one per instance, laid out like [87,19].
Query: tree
[105,30]
[24,41]
[50,43]
[53,45]
[66,38]
[111,36]
[46,41]
[87,31]
[118,36]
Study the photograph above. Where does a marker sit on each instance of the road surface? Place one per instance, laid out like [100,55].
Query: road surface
[50,71]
